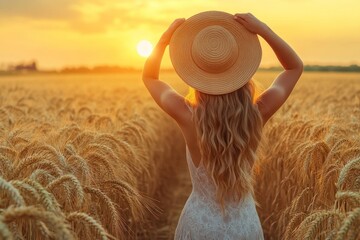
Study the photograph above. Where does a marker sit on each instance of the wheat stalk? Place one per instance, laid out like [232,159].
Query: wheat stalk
[81,165]
[24,163]
[104,123]
[354,196]
[345,171]
[95,158]
[8,152]
[138,203]
[313,228]
[350,154]
[115,221]
[28,191]
[353,217]
[79,192]
[69,132]
[12,192]
[40,174]
[53,222]
[46,198]
[83,217]
[49,166]
[82,139]
[292,224]
[6,166]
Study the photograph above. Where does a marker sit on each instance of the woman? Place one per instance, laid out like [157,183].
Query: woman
[217,54]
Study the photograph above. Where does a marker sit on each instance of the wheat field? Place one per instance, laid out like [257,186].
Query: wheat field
[93,157]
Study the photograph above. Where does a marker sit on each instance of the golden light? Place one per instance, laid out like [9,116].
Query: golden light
[144,48]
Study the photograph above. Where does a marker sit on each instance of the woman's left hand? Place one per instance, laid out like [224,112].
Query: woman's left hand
[165,38]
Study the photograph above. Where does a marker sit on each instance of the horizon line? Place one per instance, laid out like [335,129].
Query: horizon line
[32,68]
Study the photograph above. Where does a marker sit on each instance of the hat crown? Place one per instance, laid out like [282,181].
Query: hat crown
[213,53]
[214,49]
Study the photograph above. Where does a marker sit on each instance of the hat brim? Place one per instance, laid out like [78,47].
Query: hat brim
[248,61]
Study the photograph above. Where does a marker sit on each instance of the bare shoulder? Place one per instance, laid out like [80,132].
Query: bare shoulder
[270,101]
[181,113]
[189,132]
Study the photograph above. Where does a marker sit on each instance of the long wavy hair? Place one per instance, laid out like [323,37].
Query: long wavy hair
[229,129]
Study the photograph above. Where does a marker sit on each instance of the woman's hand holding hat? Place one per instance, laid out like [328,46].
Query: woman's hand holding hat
[250,22]
[165,38]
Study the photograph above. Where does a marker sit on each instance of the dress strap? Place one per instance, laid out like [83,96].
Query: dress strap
[189,158]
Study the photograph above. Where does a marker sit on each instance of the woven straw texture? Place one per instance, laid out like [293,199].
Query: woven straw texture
[213,53]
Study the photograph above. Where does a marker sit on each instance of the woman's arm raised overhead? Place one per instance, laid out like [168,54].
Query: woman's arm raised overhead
[165,96]
[275,96]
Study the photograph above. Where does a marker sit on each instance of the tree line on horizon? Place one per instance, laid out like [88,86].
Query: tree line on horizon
[32,67]
[321,68]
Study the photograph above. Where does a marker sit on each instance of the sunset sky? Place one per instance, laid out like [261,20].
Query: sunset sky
[60,33]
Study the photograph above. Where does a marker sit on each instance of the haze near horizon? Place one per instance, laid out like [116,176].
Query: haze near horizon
[78,32]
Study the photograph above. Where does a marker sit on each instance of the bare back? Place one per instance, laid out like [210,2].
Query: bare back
[189,132]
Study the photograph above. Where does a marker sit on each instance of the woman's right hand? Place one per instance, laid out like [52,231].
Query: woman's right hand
[165,38]
[250,22]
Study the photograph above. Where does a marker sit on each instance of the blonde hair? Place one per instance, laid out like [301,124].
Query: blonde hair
[229,129]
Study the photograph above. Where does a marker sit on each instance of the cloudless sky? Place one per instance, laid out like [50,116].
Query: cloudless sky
[59,33]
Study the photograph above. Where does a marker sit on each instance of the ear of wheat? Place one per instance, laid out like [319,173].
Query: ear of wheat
[103,161]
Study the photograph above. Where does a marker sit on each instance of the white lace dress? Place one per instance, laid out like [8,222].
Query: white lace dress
[201,216]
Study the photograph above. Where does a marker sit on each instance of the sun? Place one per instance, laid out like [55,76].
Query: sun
[144,48]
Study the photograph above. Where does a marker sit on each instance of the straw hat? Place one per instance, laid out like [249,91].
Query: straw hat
[214,53]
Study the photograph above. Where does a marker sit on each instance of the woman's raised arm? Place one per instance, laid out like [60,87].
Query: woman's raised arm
[275,96]
[165,96]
